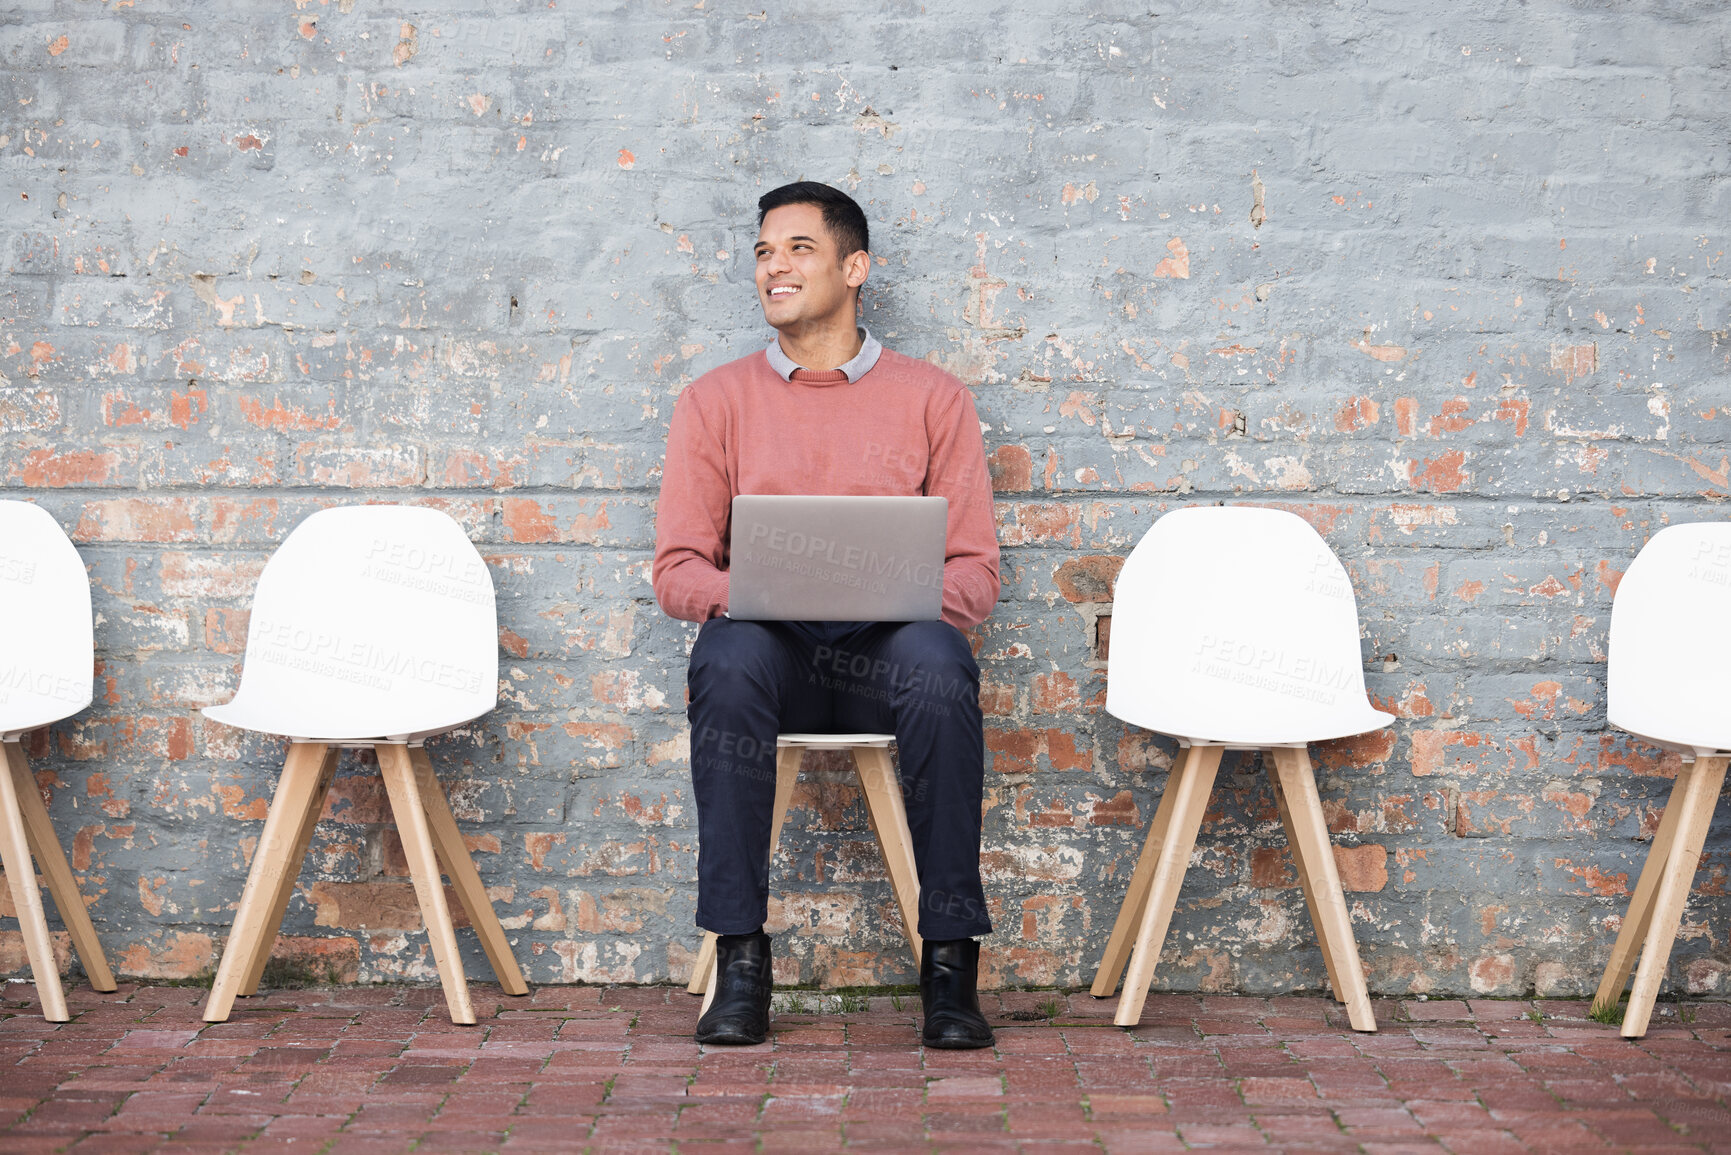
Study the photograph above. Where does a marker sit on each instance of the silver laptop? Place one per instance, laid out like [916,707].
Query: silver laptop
[836,559]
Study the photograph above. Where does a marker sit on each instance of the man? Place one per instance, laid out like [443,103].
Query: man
[827,410]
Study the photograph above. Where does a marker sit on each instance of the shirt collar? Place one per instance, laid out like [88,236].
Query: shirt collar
[862,362]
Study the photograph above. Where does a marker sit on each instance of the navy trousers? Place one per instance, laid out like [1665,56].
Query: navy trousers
[752,680]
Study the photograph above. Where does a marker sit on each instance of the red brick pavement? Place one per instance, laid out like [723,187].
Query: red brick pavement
[372,1069]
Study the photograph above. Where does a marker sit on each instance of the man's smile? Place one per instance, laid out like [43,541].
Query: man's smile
[783,290]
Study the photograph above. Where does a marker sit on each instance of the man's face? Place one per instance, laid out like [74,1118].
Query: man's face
[802,276]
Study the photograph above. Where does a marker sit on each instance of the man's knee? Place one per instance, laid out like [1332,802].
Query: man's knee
[932,660]
[730,748]
[734,678]
[727,651]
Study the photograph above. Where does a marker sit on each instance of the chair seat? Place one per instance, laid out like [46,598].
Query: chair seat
[309,726]
[1249,735]
[834,741]
[1683,742]
[32,716]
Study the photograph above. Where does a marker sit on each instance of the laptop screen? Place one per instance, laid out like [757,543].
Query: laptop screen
[818,558]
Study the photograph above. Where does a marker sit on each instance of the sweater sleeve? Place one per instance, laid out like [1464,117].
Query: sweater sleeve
[691,517]
[957,471]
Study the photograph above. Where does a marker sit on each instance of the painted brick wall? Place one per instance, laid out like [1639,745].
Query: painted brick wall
[1448,285]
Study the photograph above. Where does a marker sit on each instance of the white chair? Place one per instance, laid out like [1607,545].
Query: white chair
[885,810]
[372,626]
[1666,683]
[47,673]
[1235,628]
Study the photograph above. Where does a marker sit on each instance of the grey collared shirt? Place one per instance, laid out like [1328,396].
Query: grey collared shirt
[861,364]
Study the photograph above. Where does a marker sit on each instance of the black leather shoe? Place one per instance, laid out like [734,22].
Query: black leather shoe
[949,981]
[739,1014]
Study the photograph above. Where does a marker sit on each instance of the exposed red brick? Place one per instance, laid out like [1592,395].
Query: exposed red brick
[1056,693]
[1429,747]
[996,698]
[1595,879]
[225,630]
[1118,810]
[1380,352]
[537,845]
[1362,867]
[333,959]
[1574,361]
[835,966]
[1064,752]
[138,519]
[46,469]
[1452,418]
[526,521]
[608,736]
[1620,753]
[1013,751]
[1510,409]
[1055,813]
[1357,413]
[1493,973]
[1177,263]
[282,418]
[177,956]
[1608,577]
[613,912]
[1051,524]
[1441,474]
[1358,752]
[235,803]
[1137,751]
[208,575]
[1406,415]
[1012,468]
[368,905]
[357,798]
[234,519]
[1271,868]
[1088,579]
[184,408]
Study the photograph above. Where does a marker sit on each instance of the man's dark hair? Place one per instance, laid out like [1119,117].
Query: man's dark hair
[842,215]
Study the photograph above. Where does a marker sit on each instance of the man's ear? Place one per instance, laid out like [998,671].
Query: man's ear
[857,267]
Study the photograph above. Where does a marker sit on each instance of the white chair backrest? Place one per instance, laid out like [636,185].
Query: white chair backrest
[47,651]
[1667,679]
[1236,626]
[369,621]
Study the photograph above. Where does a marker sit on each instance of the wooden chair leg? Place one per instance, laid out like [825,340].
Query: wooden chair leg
[294,794]
[300,833]
[40,836]
[1699,801]
[27,900]
[1329,949]
[703,966]
[1188,807]
[1322,883]
[411,818]
[1640,913]
[1141,879]
[453,855]
[887,811]
[787,760]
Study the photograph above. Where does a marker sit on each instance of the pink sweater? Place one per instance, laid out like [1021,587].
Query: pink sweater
[905,428]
